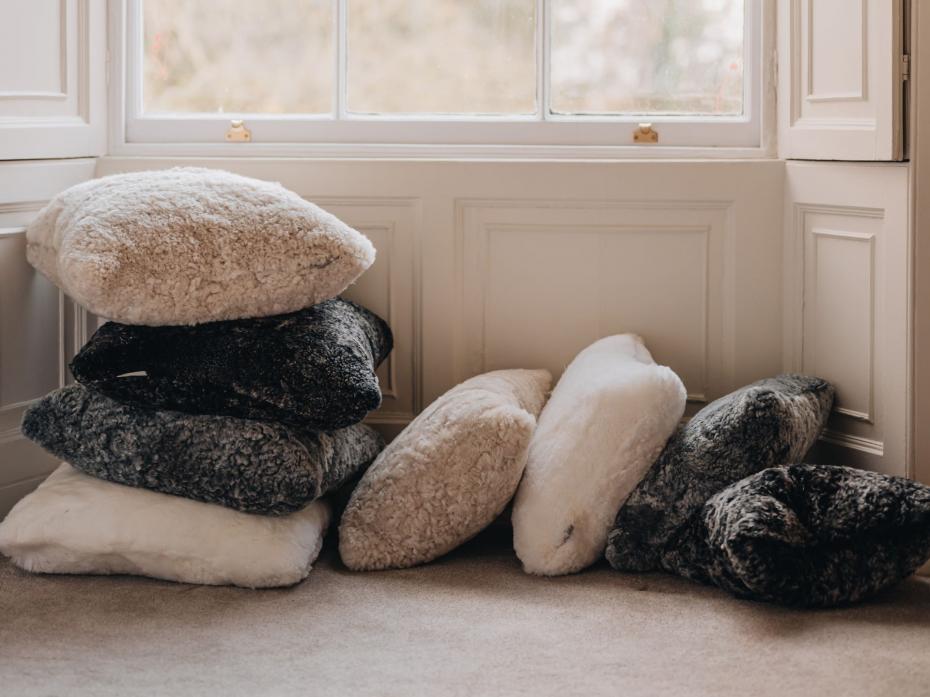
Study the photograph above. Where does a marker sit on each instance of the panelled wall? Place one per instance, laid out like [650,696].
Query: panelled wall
[847,303]
[731,271]
[493,265]
[52,79]
[40,329]
[842,73]
[840,81]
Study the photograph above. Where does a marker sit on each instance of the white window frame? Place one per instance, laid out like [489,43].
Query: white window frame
[462,136]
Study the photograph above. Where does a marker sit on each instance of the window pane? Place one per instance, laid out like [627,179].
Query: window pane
[441,56]
[656,57]
[247,56]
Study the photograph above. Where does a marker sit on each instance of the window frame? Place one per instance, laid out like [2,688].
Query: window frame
[339,134]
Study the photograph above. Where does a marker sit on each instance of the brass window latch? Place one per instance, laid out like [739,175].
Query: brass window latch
[237,132]
[644,134]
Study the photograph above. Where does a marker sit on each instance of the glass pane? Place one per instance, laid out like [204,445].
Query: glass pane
[441,56]
[655,57]
[246,56]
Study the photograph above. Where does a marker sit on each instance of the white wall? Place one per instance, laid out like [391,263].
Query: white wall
[40,329]
[847,302]
[52,79]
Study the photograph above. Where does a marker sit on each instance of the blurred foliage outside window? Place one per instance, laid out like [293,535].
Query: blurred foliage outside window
[443,57]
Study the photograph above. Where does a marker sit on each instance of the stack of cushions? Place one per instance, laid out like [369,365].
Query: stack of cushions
[198,449]
[771,422]
[608,469]
[727,503]
[224,401]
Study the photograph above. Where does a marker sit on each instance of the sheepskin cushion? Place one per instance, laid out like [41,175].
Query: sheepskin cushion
[608,419]
[250,466]
[76,524]
[314,368]
[771,422]
[447,475]
[189,245]
[807,535]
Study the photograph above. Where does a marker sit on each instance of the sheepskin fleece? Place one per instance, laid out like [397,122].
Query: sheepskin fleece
[447,475]
[190,245]
[76,524]
[314,368]
[608,419]
[771,422]
[250,466]
[809,535]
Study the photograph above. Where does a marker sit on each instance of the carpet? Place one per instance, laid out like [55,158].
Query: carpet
[469,624]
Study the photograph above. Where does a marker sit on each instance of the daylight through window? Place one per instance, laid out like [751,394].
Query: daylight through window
[673,57]
[471,73]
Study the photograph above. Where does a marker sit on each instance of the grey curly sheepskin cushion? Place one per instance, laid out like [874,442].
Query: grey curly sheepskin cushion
[190,245]
[250,466]
[810,535]
[771,422]
[314,368]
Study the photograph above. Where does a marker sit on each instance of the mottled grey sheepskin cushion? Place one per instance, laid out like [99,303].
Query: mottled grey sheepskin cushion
[811,535]
[771,422]
[250,466]
[314,368]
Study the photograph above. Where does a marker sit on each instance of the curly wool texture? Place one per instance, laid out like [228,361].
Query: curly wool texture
[314,369]
[190,245]
[608,419]
[808,535]
[770,422]
[76,524]
[250,466]
[447,476]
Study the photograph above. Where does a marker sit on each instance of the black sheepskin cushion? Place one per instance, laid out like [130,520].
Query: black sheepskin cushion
[314,368]
[771,422]
[252,466]
[810,535]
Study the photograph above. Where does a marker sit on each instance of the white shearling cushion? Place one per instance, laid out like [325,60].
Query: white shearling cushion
[447,475]
[608,419]
[76,524]
[190,245]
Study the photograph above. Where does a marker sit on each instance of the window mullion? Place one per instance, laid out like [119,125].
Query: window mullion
[341,59]
[751,51]
[542,59]
[135,45]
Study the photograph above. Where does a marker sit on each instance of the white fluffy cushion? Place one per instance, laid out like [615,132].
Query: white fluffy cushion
[607,421]
[447,475]
[76,524]
[189,245]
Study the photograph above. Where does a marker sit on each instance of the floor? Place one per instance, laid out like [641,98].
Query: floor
[470,624]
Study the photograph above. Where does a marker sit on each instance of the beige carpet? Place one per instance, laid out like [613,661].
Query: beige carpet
[472,624]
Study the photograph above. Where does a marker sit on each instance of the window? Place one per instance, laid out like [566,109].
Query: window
[482,72]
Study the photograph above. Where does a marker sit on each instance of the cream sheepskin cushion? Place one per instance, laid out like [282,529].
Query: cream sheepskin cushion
[447,475]
[76,524]
[606,423]
[189,245]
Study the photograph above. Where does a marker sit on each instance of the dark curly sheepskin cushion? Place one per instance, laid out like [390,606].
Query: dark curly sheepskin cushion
[314,368]
[251,466]
[812,535]
[771,422]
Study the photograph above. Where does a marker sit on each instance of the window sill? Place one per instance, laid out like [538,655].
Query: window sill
[371,151]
